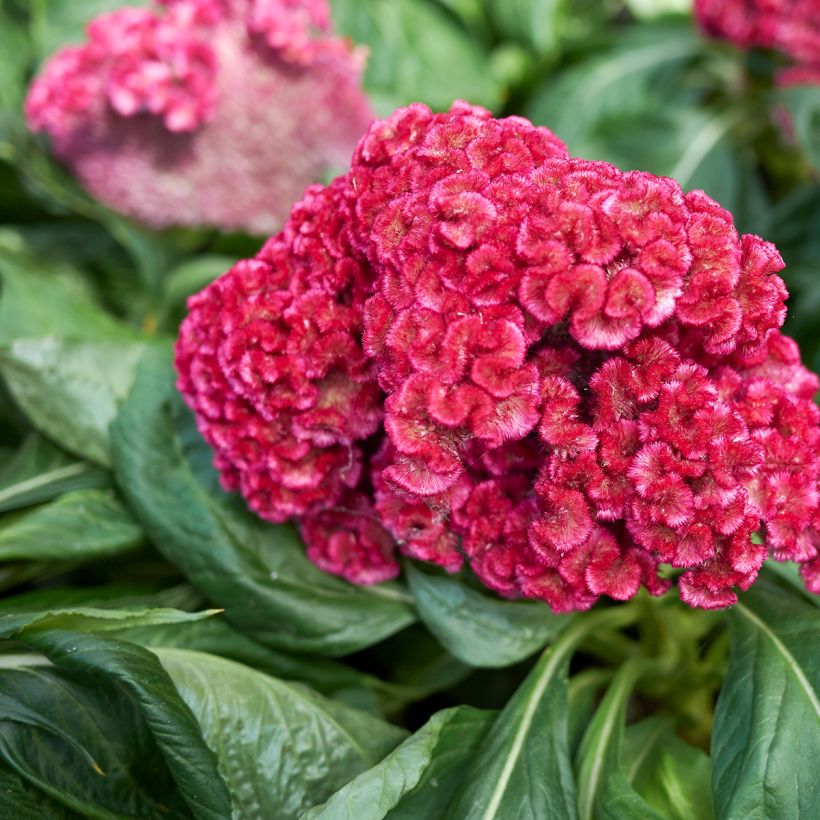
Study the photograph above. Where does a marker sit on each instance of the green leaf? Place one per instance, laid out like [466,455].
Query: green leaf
[53,186]
[706,158]
[216,637]
[640,743]
[650,9]
[69,310]
[212,635]
[80,525]
[766,737]
[14,59]
[523,768]
[191,762]
[122,595]
[84,743]
[603,791]
[470,12]
[478,629]
[39,471]
[419,778]
[21,801]
[71,390]
[90,619]
[417,53]
[672,776]
[258,572]
[803,103]
[788,574]
[535,22]
[795,229]
[281,748]
[582,700]
[640,66]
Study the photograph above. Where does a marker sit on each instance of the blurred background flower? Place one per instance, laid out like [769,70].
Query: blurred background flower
[204,112]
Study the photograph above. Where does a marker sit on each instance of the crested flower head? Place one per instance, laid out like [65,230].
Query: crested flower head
[790,26]
[558,373]
[204,112]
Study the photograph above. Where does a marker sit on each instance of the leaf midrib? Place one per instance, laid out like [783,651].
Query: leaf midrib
[559,652]
[43,479]
[791,661]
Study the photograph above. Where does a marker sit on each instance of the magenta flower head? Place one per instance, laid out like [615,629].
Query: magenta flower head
[475,349]
[790,26]
[204,112]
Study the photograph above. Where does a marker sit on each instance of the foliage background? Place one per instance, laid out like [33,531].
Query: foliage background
[114,537]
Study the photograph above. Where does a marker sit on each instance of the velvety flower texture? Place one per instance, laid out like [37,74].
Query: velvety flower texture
[204,112]
[474,348]
[790,26]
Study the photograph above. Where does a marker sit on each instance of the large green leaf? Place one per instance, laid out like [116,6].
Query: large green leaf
[672,776]
[191,762]
[603,790]
[39,471]
[71,390]
[417,53]
[419,778]
[217,637]
[337,680]
[80,525]
[523,768]
[281,748]
[121,595]
[258,572]
[479,629]
[82,742]
[766,737]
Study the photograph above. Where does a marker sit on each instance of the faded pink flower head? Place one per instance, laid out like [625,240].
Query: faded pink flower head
[560,373]
[790,26]
[204,112]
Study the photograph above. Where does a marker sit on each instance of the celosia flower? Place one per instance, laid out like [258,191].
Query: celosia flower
[204,112]
[270,359]
[580,373]
[790,26]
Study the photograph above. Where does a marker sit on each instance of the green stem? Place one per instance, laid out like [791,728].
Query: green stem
[611,646]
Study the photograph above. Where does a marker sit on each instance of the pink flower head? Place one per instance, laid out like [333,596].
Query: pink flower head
[215,112]
[270,359]
[559,373]
[350,541]
[790,26]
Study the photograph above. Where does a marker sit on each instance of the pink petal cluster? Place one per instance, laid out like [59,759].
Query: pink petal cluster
[270,360]
[790,26]
[474,348]
[204,112]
